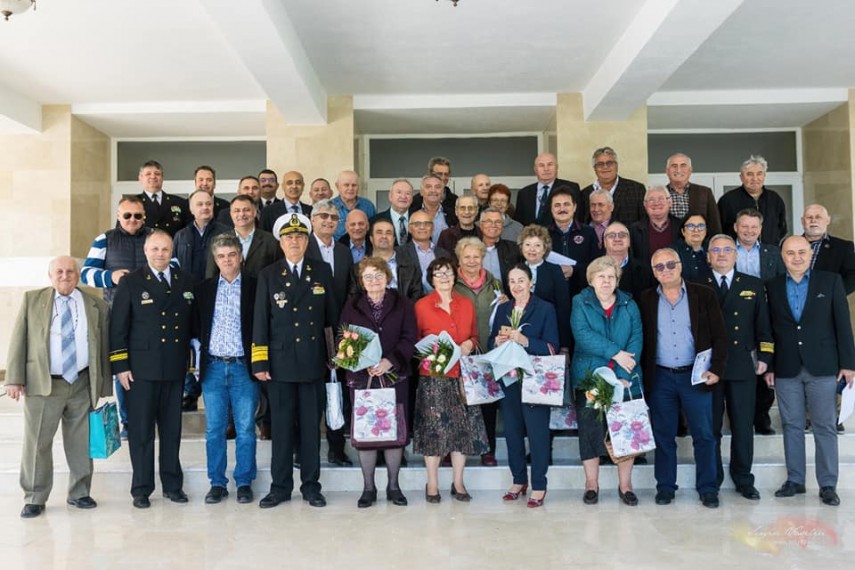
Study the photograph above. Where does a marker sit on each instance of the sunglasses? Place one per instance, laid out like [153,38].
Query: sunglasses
[129,215]
[660,267]
[326,216]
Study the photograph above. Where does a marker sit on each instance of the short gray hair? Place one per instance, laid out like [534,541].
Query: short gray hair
[653,189]
[325,205]
[599,265]
[684,155]
[226,240]
[490,210]
[605,193]
[755,160]
[470,241]
[601,151]
[722,236]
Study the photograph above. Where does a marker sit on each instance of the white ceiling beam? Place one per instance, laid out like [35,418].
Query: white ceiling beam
[18,114]
[663,35]
[263,36]
[451,101]
[749,97]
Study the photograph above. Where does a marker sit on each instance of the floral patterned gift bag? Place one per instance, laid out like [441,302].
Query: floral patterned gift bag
[479,385]
[546,385]
[374,415]
[629,429]
[563,418]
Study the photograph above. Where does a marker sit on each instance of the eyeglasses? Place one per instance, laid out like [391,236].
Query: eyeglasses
[725,249]
[265,179]
[135,215]
[605,164]
[696,227]
[373,277]
[659,200]
[467,208]
[660,267]
[443,274]
[492,222]
[326,216]
[616,235]
[420,224]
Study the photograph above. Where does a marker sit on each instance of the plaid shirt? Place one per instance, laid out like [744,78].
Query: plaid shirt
[225,328]
[679,202]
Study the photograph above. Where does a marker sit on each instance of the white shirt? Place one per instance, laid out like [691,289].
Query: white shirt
[728,277]
[396,221]
[153,196]
[327,252]
[81,332]
[166,274]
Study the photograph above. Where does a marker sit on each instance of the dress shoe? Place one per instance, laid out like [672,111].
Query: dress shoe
[404,461]
[513,496]
[367,499]
[432,498]
[629,498]
[788,489]
[807,425]
[462,496]
[83,502]
[750,492]
[533,503]
[764,430]
[664,497]
[446,461]
[840,428]
[231,432]
[396,497]
[710,500]
[489,460]
[264,432]
[142,502]
[829,496]
[178,496]
[31,511]
[189,404]
[244,494]
[591,497]
[271,500]
[339,458]
[317,499]
[216,494]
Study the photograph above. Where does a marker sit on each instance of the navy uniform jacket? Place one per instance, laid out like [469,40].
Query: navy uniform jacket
[746,316]
[206,300]
[822,340]
[150,326]
[170,215]
[288,324]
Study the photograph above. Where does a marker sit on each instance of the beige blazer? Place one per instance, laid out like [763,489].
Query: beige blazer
[28,363]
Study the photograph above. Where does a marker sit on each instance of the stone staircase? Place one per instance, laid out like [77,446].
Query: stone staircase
[565,474]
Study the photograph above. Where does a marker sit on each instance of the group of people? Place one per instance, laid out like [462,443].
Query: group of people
[637,280]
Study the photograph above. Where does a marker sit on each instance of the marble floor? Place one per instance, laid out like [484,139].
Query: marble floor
[486,533]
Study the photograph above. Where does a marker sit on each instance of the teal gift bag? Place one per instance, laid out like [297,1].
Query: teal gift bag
[104,437]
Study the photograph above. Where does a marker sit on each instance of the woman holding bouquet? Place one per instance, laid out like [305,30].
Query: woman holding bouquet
[607,327]
[530,322]
[443,422]
[485,291]
[390,315]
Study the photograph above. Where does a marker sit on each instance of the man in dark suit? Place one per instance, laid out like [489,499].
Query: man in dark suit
[322,247]
[162,211]
[761,260]
[533,200]
[247,186]
[501,254]
[294,304]
[292,189]
[356,239]
[467,212]
[58,360]
[430,200]
[658,228]
[754,194]
[400,200]
[420,250]
[259,248]
[440,167]
[829,253]
[749,353]
[149,350]
[688,318]
[636,275]
[628,195]
[205,178]
[407,277]
[223,325]
[814,350]
[269,183]
[572,239]
[688,198]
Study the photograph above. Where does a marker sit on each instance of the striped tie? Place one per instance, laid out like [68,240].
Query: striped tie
[69,345]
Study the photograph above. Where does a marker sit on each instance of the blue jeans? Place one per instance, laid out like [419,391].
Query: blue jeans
[227,383]
[672,391]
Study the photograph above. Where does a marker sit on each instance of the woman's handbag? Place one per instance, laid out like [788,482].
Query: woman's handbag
[479,385]
[377,419]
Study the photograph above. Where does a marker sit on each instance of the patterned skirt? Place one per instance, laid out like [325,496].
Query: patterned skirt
[444,423]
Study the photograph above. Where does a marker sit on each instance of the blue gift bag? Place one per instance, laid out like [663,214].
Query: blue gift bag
[104,437]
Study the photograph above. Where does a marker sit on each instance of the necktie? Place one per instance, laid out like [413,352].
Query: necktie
[295,209]
[157,198]
[296,272]
[69,345]
[544,195]
[724,287]
[402,230]
[163,280]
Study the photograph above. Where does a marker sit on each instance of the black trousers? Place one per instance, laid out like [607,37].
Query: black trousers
[737,399]
[291,402]
[150,404]
[765,397]
[490,411]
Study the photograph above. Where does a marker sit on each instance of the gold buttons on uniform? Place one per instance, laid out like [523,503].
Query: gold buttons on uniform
[298,339]
[295,309]
[163,327]
[163,314]
[734,328]
[163,340]
[296,324]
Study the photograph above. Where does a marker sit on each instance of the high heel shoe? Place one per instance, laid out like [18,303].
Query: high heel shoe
[534,503]
[367,499]
[511,496]
[629,498]
[396,497]
[460,496]
[432,498]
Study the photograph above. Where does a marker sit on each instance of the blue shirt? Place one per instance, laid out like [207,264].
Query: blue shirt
[748,260]
[357,252]
[675,345]
[797,294]
[226,339]
[361,204]
[425,257]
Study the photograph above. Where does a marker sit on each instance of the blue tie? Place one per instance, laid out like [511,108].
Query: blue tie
[543,197]
[69,344]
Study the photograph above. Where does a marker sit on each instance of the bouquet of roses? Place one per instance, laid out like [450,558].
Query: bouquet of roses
[358,348]
[437,354]
[599,391]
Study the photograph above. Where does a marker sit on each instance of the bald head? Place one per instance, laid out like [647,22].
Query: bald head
[356,225]
[64,274]
[545,167]
[796,252]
